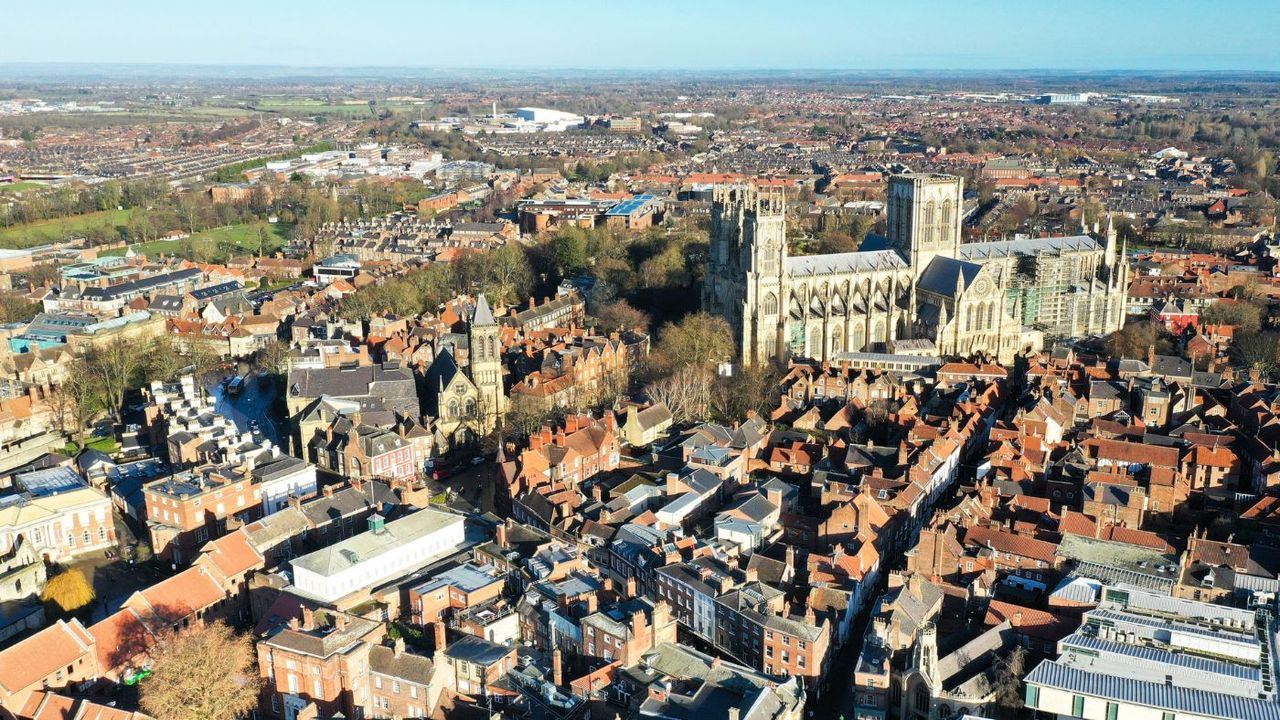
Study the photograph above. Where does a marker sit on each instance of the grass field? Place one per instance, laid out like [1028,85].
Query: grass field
[19,186]
[319,107]
[213,244]
[47,231]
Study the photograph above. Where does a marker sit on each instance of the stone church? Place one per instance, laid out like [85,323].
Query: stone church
[917,290]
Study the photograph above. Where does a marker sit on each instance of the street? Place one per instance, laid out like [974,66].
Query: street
[252,404]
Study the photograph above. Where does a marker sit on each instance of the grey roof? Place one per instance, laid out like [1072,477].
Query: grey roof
[1157,695]
[980,251]
[944,274]
[477,650]
[839,263]
[1148,663]
[360,548]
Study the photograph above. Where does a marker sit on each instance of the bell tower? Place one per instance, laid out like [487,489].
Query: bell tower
[486,362]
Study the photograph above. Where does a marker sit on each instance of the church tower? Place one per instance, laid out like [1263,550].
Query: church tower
[745,281]
[486,362]
[924,217]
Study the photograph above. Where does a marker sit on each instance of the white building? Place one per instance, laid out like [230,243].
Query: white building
[383,552]
[280,477]
[1144,655]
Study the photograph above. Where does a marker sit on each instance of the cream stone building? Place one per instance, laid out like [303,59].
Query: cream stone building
[917,290]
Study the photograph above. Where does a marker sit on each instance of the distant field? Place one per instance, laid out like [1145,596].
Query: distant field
[47,231]
[211,243]
[314,107]
[20,186]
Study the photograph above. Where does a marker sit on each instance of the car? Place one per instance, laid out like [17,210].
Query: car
[477,460]
[441,473]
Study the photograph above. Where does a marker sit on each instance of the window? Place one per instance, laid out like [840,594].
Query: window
[1033,697]
[1167,716]
[316,690]
[1113,711]
[1077,706]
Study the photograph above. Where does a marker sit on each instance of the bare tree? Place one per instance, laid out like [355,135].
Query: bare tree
[202,673]
[686,393]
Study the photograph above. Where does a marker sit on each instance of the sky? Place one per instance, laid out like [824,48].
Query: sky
[670,34]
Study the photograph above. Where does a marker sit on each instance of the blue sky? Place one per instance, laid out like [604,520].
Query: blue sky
[694,34]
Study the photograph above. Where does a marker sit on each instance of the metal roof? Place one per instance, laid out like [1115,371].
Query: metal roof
[1204,703]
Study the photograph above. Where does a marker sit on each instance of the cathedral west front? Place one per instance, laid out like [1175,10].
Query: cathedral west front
[916,290]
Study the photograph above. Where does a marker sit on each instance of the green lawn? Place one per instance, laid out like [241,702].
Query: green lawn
[105,444]
[212,244]
[20,186]
[47,231]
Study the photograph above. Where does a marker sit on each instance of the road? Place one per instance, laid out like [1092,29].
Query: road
[253,403]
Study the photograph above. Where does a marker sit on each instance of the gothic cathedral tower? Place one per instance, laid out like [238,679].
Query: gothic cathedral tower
[746,269]
[925,217]
[486,363]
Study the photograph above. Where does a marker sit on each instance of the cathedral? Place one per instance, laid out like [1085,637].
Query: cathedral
[917,290]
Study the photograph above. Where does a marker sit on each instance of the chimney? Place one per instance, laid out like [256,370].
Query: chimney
[398,648]
[293,624]
[557,669]
[631,587]
[328,491]
[593,603]
[501,535]
[1017,619]
[638,623]
[441,638]
[308,618]
[733,713]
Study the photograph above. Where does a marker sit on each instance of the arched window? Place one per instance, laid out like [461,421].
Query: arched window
[922,699]
[877,332]
[855,338]
[991,314]
[471,408]
[770,305]
[493,346]
[815,343]
[968,319]
[453,408]
[946,214]
[837,339]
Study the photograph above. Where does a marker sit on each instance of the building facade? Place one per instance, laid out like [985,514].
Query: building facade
[919,283]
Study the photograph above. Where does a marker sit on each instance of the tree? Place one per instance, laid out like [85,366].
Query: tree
[273,357]
[699,340]
[568,251]
[686,393]
[114,365]
[1246,316]
[80,398]
[751,389]
[620,314]
[1257,351]
[1007,684]
[69,591]
[1133,340]
[206,672]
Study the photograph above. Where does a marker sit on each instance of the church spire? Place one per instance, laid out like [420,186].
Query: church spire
[482,315]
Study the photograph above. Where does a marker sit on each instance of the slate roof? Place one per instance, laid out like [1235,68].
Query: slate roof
[943,275]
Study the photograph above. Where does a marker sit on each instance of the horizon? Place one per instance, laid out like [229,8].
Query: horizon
[714,36]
